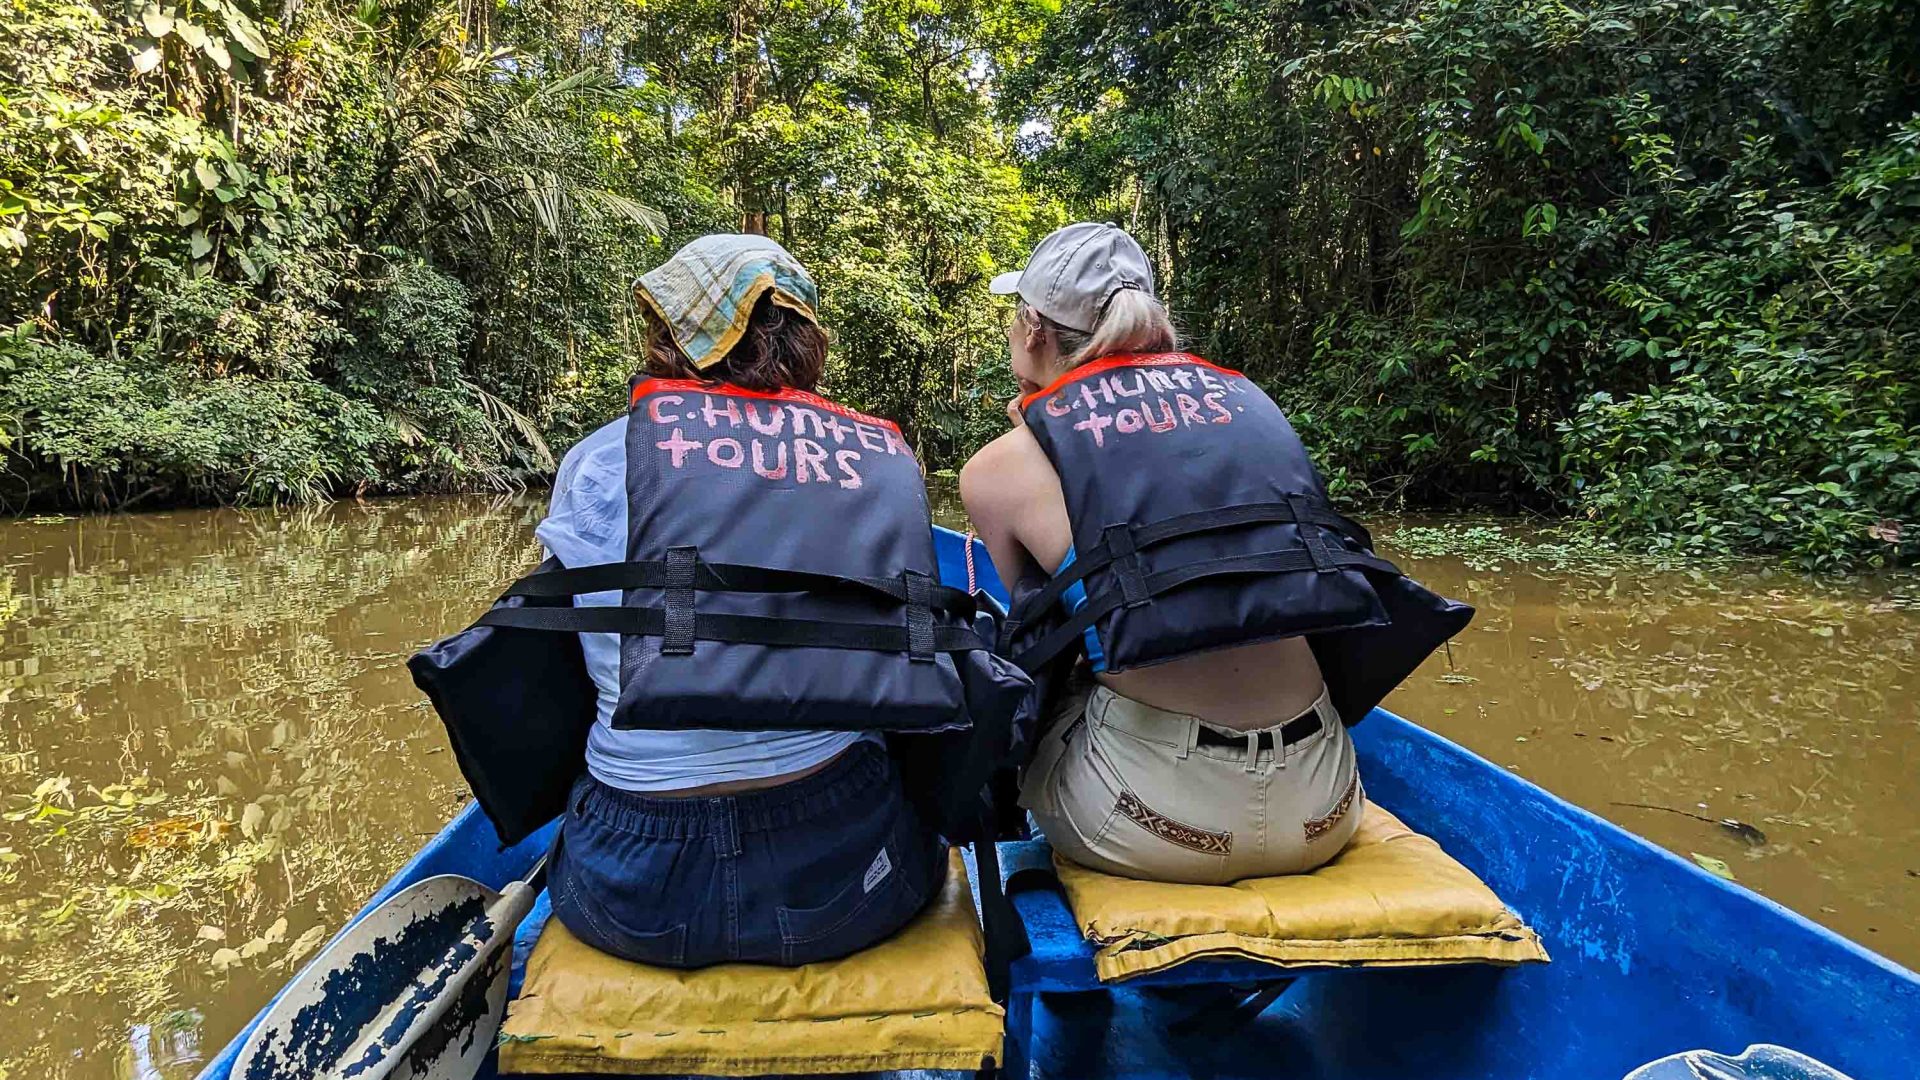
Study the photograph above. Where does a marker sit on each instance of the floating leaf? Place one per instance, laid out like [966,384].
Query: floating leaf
[276,933]
[224,959]
[301,946]
[1716,867]
[211,933]
[158,22]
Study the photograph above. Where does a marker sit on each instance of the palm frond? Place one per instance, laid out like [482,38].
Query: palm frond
[503,414]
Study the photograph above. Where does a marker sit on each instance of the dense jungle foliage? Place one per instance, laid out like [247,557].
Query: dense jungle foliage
[1646,261]
[277,252]
[1650,260]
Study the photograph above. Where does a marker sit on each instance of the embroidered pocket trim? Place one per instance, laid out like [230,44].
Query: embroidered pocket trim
[1174,832]
[1321,826]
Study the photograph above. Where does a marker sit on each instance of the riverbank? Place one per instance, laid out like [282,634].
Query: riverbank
[210,752]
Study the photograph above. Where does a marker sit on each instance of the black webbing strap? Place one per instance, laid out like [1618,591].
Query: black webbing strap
[919,615]
[1311,539]
[722,577]
[1006,936]
[1297,510]
[1118,542]
[1293,560]
[676,639]
[732,629]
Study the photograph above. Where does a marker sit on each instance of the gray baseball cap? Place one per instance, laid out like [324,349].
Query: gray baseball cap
[1075,271]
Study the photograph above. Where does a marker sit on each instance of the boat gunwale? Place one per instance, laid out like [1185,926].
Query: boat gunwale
[1375,737]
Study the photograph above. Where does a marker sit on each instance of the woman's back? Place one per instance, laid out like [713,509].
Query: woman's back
[1011,484]
[587,526]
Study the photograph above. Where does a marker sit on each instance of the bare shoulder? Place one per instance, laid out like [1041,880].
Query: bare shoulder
[999,468]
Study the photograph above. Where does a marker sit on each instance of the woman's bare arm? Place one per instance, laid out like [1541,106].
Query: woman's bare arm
[1002,491]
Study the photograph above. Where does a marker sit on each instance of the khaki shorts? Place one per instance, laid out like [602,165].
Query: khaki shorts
[1128,789]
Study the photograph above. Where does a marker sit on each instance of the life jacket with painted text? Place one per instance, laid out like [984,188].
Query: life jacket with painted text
[781,574]
[1200,523]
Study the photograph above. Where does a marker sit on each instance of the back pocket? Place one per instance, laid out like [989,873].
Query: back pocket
[882,898]
[661,948]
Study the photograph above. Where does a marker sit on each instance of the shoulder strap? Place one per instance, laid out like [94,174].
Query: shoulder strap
[725,577]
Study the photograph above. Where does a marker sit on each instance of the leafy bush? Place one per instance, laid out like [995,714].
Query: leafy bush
[121,434]
[1650,261]
[389,246]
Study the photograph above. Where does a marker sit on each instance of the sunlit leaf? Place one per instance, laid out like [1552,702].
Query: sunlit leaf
[147,59]
[243,32]
[158,21]
[208,176]
[211,933]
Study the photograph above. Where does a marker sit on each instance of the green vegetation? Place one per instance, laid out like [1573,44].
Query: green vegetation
[1647,262]
[274,252]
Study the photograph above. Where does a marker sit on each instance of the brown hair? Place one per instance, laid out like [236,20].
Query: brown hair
[781,348]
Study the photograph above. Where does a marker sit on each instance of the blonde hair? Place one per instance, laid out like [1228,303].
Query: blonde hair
[1133,322]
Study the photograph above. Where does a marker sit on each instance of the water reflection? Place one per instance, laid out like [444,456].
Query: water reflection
[1757,696]
[210,752]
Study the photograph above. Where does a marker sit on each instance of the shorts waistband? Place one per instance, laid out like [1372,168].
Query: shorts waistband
[1182,730]
[854,775]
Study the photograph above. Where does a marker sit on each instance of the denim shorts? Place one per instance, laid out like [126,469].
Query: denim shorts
[810,870]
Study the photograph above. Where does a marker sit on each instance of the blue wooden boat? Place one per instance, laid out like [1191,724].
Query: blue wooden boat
[1651,956]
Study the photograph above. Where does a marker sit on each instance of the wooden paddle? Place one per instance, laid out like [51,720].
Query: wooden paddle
[414,991]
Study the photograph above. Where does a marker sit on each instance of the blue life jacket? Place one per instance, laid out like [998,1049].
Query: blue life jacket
[1200,523]
[780,575]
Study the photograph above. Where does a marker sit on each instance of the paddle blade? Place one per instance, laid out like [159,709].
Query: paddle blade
[433,947]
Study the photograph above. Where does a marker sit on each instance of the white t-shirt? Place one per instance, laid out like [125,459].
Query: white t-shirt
[587,524]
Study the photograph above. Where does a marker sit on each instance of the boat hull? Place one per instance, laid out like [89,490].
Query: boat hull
[1651,955]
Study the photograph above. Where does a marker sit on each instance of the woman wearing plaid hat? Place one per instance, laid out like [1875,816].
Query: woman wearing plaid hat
[687,847]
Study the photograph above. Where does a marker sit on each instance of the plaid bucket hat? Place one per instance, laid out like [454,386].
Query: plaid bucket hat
[706,292]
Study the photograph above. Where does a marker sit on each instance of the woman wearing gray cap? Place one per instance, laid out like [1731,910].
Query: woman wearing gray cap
[1200,742]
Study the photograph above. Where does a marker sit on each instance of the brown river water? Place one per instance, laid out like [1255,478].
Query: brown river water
[210,752]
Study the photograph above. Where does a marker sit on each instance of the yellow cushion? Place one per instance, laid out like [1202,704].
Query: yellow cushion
[1392,898]
[915,1001]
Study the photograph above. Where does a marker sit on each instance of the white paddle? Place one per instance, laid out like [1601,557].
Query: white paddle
[414,991]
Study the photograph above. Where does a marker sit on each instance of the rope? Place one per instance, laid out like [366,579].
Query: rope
[973,582]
